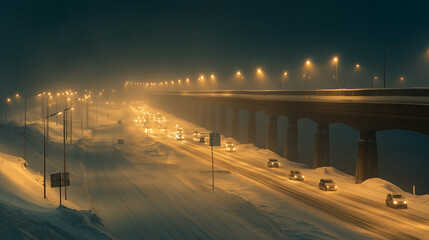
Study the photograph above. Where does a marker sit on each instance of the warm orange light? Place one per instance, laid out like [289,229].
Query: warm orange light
[179,81]
[17,95]
[202,77]
[375,78]
[357,66]
[308,62]
[285,74]
[259,71]
[238,73]
[335,59]
[172,82]
[58,94]
[60,113]
[187,80]
[212,76]
[402,78]
[8,99]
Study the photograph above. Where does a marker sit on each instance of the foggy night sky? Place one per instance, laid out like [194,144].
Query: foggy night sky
[69,43]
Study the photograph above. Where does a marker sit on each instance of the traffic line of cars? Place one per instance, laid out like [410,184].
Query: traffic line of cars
[393,200]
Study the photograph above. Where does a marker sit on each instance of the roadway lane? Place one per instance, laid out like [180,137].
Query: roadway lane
[356,210]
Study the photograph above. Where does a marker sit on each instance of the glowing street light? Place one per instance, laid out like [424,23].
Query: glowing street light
[336,70]
[8,100]
[402,78]
[307,75]
[187,80]
[259,71]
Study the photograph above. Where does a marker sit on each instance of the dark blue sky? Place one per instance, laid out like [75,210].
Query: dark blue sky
[103,42]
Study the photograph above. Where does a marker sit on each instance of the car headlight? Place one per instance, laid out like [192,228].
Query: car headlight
[405,202]
[395,202]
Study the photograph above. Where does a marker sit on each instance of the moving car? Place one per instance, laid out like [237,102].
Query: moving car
[396,200]
[229,146]
[296,175]
[179,134]
[273,163]
[196,136]
[327,185]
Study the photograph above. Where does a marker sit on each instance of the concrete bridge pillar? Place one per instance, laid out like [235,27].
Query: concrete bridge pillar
[212,118]
[366,164]
[272,134]
[251,127]
[222,120]
[235,131]
[321,146]
[291,145]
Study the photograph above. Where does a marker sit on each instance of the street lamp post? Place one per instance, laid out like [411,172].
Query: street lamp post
[25,122]
[45,150]
[308,63]
[7,102]
[336,71]
[64,145]
[284,76]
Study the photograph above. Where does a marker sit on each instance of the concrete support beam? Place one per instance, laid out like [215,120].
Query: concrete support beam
[272,134]
[235,133]
[212,118]
[321,146]
[291,145]
[366,164]
[251,128]
[222,120]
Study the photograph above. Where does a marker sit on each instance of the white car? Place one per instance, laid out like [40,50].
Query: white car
[196,136]
[296,175]
[273,163]
[327,185]
[396,200]
[229,146]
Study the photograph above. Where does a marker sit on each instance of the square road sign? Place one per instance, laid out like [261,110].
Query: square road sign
[214,139]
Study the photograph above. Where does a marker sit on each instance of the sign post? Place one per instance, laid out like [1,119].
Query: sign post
[214,141]
[59,180]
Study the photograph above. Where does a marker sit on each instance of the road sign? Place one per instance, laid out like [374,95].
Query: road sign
[214,139]
[60,179]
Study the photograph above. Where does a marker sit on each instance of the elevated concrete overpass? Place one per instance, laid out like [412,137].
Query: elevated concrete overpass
[367,110]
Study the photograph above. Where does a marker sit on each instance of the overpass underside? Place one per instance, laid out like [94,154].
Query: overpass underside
[367,118]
